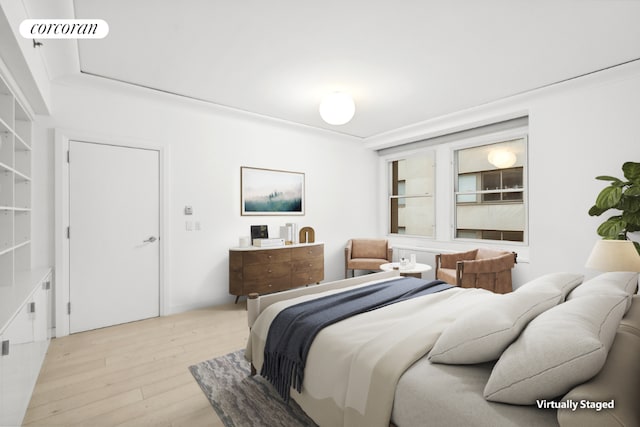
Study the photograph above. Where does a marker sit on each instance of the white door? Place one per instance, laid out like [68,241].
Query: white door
[114,255]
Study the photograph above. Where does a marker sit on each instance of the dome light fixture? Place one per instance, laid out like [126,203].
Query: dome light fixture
[337,108]
[502,158]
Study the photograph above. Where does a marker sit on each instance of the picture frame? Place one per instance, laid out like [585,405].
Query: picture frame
[271,192]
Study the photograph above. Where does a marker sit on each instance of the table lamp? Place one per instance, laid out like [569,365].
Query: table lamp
[614,255]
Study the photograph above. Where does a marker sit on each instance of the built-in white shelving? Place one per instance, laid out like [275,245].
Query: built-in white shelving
[15,188]
[25,293]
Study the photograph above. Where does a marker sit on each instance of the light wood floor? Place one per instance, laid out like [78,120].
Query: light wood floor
[135,374]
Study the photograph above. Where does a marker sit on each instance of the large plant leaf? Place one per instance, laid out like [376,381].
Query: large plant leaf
[596,211]
[631,171]
[631,204]
[609,197]
[633,190]
[612,227]
[631,217]
[608,178]
[632,220]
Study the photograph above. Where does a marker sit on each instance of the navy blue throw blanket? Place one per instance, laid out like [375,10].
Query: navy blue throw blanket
[293,330]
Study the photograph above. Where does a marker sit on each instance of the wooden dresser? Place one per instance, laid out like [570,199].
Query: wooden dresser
[266,270]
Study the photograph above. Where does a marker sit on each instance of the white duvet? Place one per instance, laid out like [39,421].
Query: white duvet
[354,365]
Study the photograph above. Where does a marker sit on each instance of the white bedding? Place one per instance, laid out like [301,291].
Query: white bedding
[354,365]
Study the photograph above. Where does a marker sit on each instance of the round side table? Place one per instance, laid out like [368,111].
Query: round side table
[412,271]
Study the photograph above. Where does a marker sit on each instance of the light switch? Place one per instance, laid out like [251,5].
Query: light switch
[188,210]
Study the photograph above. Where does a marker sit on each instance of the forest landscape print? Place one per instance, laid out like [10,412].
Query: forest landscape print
[272,192]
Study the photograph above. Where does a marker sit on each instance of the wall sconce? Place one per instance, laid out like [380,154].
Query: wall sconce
[502,158]
[337,108]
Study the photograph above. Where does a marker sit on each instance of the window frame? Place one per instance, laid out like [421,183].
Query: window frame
[485,141]
[388,161]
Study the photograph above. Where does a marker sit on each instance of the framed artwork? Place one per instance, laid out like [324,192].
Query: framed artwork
[271,192]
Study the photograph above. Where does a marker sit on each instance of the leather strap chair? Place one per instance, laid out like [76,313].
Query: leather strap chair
[480,268]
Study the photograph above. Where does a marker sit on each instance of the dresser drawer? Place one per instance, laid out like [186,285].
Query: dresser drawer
[307,264]
[266,271]
[305,252]
[307,277]
[267,256]
[268,285]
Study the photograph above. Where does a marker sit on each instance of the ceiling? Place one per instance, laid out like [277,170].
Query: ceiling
[404,62]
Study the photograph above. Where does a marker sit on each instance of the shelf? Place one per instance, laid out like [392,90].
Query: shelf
[5,168]
[15,188]
[15,247]
[21,245]
[4,126]
[20,177]
[21,145]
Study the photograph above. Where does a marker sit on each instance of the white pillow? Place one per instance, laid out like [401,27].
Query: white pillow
[482,334]
[609,283]
[562,282]
[564,346]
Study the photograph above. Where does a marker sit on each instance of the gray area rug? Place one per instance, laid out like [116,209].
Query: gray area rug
[242,400]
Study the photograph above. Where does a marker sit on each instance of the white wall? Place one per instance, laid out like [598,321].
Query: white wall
[206,147]
[577,131]
[585,128]
[575,136]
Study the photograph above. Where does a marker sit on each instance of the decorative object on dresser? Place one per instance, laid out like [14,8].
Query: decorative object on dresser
[366,254]
[267,270]
[480,268]
[289,232]
[271,192]
[307,235]
[259,232]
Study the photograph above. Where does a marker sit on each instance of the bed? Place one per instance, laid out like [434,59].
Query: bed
[471,357]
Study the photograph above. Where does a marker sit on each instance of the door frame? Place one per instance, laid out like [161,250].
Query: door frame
[61,221]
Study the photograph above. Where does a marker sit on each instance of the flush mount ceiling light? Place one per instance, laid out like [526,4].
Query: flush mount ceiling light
[501,158]
[337,108]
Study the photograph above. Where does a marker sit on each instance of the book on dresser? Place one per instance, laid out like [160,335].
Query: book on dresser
[268,243]
[265,270]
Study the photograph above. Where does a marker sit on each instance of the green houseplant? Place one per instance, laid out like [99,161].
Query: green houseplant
[623,196]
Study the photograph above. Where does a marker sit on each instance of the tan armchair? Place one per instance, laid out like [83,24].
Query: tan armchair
[366,254]
[479,268]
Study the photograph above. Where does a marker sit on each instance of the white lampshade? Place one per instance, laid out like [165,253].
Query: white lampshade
[614,255]
[337,108]
[502,158]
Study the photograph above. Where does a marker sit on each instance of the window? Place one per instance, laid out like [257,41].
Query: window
[411,201]
[490,191]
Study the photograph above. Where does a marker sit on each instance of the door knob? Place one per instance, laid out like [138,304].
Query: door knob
[150,240]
